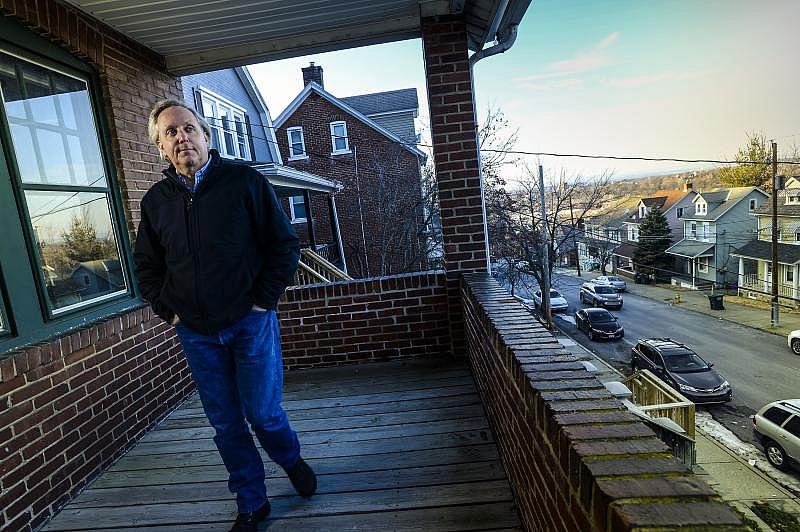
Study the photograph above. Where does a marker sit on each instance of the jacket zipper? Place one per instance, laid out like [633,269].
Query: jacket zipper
[194,247]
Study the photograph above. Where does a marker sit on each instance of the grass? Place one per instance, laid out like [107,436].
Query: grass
[777,519]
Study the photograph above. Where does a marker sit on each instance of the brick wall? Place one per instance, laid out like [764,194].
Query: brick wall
[367,320]
[575,458]
[455,154]
[387,175]
[69,406]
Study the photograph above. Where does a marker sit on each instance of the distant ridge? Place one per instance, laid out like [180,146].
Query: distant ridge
[702,180]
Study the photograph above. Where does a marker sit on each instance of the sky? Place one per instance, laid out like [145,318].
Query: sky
[684,79]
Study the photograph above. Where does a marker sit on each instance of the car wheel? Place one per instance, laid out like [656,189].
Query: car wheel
[634,366]
[580,296]
[622,335]
[620,306]
[591,334]
[775,455]
[796,346]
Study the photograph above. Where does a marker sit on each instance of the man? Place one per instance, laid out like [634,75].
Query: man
[214,252]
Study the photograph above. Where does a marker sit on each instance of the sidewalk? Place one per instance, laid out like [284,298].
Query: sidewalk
[730,475]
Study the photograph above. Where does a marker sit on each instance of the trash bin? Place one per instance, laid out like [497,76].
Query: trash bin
[716,302]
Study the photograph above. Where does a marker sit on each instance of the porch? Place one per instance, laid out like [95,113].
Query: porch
[396,445]
[756,276]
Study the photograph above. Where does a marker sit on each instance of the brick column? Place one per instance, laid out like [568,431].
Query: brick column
[455,155]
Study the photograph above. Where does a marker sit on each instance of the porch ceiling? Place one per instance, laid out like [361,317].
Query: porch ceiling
[213,34]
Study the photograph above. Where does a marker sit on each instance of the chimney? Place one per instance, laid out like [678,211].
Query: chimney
[312,73]
[687,186]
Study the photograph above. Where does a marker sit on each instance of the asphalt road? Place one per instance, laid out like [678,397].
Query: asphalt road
[758,365]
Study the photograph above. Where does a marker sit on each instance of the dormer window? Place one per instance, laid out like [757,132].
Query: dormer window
[701,207]
[642,211]
[793,197]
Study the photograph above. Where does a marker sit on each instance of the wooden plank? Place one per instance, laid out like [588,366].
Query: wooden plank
[197,443]
[177,418]
[323,450]
[181,473]
[279,486]
[378,370]
[367,376]
[359,389]
[199,428]
[339,503]
[448,519]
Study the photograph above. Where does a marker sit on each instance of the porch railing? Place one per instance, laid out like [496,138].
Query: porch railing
[653,396]
[751,281]
[314,269]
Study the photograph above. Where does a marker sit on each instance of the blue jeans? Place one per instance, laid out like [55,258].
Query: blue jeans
[239,374]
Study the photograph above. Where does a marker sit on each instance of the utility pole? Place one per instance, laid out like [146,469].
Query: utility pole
[545,255]
[775,277]
[574,232]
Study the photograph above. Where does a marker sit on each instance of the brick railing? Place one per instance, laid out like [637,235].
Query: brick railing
[365,320]
[73,405]
[576,460]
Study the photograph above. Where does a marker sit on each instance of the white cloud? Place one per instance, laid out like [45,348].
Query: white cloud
[582,63]
[636,82]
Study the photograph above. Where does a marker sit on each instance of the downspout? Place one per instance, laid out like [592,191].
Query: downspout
[500,47]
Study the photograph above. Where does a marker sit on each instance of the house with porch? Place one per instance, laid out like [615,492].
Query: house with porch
[429,400]
[242,129]
[375,160]
[671,203]
[755,257]
[604,232]
[717,223]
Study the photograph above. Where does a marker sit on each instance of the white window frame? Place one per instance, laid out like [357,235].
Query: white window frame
[702,264]
[788,274]
[633,233]
[751,205]
[293,218]
[700,208]
[679,212]
[292,156]
[221,108]
[642,211]
[693,229]
[346,149]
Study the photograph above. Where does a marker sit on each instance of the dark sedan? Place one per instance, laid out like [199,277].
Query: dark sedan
[682,368]
[598,323]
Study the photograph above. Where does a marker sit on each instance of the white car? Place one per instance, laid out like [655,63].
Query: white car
[794,341]
[618,283]
[557,302]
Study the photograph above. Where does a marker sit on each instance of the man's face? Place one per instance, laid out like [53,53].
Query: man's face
[181,140]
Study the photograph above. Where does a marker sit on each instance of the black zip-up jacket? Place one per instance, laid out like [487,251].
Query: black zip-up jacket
[209,256]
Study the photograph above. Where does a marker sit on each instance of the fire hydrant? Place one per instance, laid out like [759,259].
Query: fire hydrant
[677,299]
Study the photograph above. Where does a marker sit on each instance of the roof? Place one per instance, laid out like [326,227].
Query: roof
[615,214]
[625,249]
[384,102]
[315,88]
[243,32]
[762,250]
[783,209]
[691,249]
[720,201]
[286,177]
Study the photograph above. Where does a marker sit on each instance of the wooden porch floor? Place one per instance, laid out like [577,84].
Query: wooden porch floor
[396,447]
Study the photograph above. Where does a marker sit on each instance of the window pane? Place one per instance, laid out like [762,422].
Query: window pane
[793,426]
[51,118]
[77,246]
[299,207]
[241,138]
[227,131]
[341,144]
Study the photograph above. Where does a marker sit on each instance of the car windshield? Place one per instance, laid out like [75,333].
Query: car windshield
[612,278]
[604,290]
[684,362]
[554,293]
[603,317]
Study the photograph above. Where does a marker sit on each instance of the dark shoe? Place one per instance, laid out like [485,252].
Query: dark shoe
[303,478]
[248,522]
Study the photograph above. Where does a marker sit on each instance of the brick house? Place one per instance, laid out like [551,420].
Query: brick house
[380,205]
[85,377]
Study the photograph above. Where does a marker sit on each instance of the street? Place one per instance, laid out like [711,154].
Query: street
[758,365]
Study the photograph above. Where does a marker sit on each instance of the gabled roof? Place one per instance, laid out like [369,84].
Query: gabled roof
[762,250]
[266,119]
[313,87]
[379,103]
[721,201]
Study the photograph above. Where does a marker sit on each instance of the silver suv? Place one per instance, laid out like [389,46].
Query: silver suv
[599,295]
[777,428]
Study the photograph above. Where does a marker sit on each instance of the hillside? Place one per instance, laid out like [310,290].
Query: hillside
[702,180]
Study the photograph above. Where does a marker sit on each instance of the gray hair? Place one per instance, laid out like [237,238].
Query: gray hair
[159,107]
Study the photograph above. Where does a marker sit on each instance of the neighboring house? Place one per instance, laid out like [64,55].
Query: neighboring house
[604,232]
[380,206]
[241,129]
[673,203]
[717,223]
[755,257]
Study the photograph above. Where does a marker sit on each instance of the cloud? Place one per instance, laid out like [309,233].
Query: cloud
[582,63]
[636,82]
[552,84]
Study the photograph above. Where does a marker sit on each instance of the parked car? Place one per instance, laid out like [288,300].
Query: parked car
[777,428]
[681,368]
[591,264]
[598,323]
[794,341]
[618,283]
[599,295]
[557,302]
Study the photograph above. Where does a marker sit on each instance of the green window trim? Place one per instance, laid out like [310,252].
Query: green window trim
[26,313]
